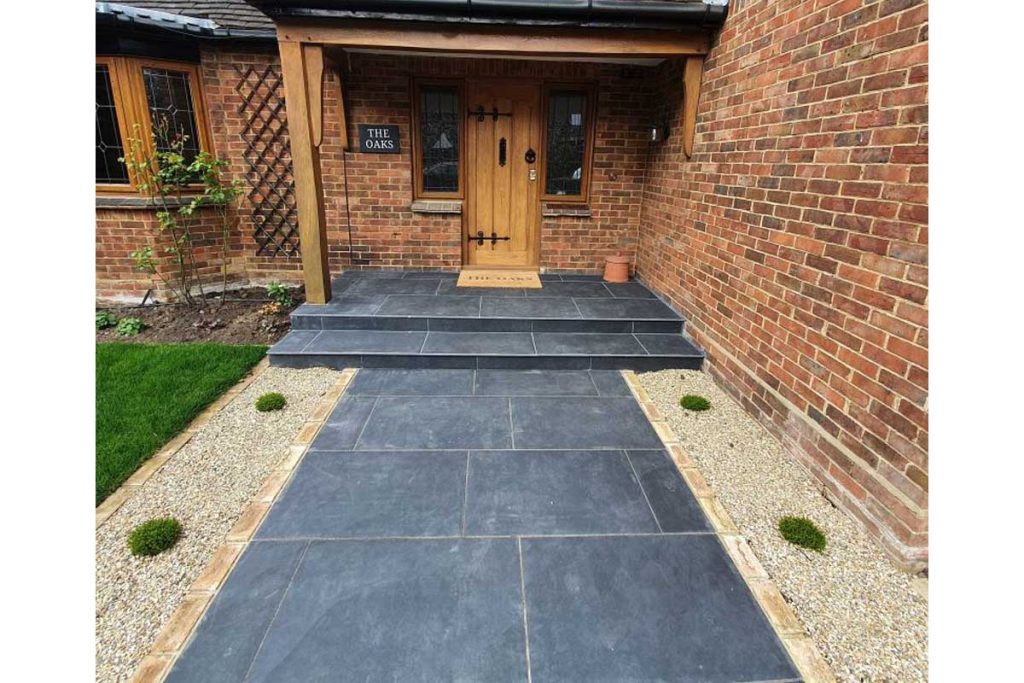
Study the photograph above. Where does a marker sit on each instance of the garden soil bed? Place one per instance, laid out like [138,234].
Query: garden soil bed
[237,319]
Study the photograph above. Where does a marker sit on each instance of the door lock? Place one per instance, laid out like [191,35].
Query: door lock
[533,174]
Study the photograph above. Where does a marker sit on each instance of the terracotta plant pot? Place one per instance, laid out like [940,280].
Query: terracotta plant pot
[616,269]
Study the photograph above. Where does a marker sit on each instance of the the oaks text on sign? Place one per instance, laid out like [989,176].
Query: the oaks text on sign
[378,139]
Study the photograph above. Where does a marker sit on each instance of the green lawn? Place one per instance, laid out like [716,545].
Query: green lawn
[147,393]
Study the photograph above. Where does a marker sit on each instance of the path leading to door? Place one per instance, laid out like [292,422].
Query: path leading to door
[487,525]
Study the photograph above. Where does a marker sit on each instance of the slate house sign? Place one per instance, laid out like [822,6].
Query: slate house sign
[378,139]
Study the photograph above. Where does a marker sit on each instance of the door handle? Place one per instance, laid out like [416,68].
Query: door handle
[501,151]
[480,238]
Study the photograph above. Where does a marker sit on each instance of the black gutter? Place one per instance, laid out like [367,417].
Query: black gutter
[612,13]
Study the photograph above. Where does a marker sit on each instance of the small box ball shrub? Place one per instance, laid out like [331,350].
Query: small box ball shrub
[271,401]
[155,536]
[694,403]
[105,319]
[802,532]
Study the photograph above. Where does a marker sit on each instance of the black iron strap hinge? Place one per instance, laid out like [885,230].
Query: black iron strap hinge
[494,113]
[480,238]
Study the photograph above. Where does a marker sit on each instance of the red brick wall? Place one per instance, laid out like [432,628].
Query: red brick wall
[796,241]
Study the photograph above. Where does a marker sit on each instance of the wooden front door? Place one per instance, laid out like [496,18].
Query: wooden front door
[502,217]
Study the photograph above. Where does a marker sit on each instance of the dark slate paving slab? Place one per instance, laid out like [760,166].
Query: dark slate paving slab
[644,608]
[629,290]
[419,286]
[400,611]
[451,288]
[526,307]
[366,341]
[669,496]
[480,325]
[588,344]
[554,492]
[624,308]
[552,363]
[610,383]
[375,382]
[534,383]
[581,277]
[569,289]
[344,304]
[361,494]
[584,422]
[479,343]
[428,423]
[344,424]
[416,306]
[366,322]
[294,341]
[231,631]
[433,274]
[668,345]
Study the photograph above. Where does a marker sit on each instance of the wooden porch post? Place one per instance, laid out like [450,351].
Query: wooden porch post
[692,72]
[303,67]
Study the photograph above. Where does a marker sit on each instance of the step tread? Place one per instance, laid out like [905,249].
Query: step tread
[503,344]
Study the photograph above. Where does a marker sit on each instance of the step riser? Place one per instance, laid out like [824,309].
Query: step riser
[324,322]
[469,362]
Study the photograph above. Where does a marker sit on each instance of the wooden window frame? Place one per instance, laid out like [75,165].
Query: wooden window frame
[589,92]
[132,109]
[416,85]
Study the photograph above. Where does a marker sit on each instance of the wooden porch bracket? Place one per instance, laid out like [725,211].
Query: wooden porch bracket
[303,67]
[692,73]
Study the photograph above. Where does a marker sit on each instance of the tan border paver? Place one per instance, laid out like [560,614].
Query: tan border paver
[151,466]
[175,634]
[805,655]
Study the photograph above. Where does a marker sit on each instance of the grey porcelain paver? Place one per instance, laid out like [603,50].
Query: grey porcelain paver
[452,306]
[667,344]
[412,382]
[584,344]
[544,422]
[629,290]
[644,608]
[231,631]
[669,496]
[366,341]
[294,341]
[437,610]
[534,383]
[569,289]
[371,494]
[526,307]
[345,304]
[610,383]
[624,308]
[344,424]
[554,492]
[480,343]
[370,287]
[438,423]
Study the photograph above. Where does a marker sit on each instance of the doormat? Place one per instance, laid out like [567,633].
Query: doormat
[519,279]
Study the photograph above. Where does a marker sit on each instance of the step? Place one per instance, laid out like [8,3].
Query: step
[485,350]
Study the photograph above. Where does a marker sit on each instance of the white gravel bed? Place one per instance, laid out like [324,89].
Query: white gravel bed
[206,485]
[864,615]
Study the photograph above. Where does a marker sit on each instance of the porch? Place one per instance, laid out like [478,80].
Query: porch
[421,319]
[508,144]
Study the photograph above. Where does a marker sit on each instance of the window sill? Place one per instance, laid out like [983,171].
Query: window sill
[577,210]
[437,206]
[137,202]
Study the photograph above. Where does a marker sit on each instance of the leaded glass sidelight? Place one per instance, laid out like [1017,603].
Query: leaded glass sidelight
[169,98]
[109,147]
[439,138]
[566,142]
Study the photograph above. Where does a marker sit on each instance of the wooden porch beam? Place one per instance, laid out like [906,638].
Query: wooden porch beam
[692,72]
[302,65]
[497,40]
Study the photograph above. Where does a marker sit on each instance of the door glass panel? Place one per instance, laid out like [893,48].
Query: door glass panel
[566,143]
[439,135]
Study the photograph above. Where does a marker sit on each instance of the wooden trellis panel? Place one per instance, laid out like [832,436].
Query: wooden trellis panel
[268,156]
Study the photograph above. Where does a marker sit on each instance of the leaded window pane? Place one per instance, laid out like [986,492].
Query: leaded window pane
[439,135]
[566,142]
[109,147]
[171,110]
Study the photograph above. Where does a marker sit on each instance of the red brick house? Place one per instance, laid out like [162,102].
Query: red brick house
[762,164]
